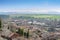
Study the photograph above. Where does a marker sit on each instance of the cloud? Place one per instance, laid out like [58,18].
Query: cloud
[31,10]
[25,10]
[54,10]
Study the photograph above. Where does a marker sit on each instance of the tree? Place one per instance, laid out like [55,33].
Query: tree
[27,34]
[20,31]
[0,23]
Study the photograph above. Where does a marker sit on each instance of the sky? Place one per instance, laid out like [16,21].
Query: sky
[37,6]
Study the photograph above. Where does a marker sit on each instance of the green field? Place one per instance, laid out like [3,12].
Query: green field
[52,16]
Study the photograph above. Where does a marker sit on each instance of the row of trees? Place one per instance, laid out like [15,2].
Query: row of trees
[21,32]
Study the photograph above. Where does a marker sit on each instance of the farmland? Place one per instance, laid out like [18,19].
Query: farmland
[51,16]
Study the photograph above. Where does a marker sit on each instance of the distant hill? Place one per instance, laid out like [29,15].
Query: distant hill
[4,16]
[30,15]
[8,13]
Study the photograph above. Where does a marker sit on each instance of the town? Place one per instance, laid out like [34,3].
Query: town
[29,28]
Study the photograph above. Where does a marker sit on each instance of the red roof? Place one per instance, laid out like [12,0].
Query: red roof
[13,35]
